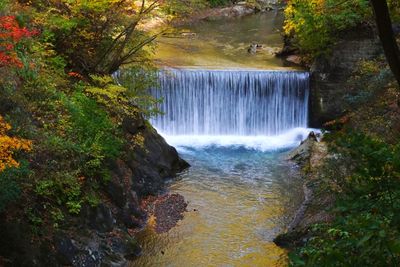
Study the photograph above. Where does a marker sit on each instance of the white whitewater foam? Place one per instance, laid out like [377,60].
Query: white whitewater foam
[262,143]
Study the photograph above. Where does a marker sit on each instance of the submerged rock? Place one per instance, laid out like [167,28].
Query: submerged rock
[252,49]
[168,211]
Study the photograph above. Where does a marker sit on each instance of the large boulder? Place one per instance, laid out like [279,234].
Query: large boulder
[267,4]
[151,163]
[112,249]
[302,154]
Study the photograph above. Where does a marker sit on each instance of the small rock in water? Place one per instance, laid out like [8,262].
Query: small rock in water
[189,34]
[252,49]
[294,59]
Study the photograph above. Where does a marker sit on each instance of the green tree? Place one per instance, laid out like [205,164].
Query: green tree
[96,36]
[315,25]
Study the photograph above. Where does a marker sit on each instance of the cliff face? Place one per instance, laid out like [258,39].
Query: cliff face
[102,235]
[330,75]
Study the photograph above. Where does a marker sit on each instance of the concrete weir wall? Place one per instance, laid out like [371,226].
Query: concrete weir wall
[330,75]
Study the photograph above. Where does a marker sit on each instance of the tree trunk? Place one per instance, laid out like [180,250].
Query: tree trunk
[387,37]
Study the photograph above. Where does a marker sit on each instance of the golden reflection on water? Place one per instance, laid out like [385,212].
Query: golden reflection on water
[224,43]
[230,222]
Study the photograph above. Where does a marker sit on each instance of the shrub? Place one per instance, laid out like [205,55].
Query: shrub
[215,3]
[8,146]
[315,23]
[137,81]
[93,131]
[367,81]
[11,37]
[366,229]
[9,184]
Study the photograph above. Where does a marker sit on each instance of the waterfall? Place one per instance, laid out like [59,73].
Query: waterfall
[235,103]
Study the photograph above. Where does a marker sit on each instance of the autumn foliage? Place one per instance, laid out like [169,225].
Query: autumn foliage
[8,146]
[11,34]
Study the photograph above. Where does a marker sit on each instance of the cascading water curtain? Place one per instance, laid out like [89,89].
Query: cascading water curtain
[208,102]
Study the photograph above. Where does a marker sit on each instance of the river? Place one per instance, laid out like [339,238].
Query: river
[233,117]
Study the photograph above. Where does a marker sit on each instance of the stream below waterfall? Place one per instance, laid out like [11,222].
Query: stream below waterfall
[235,126]
[239,199]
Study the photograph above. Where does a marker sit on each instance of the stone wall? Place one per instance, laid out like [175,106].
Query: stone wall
[330,75]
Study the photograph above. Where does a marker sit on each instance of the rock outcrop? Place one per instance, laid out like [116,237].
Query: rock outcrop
[330,74]
[239,10]
[140,173]
[310,156]
[103,235]
[268,4]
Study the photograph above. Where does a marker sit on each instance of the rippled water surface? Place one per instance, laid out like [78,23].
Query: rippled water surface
[224,43]
[238,200]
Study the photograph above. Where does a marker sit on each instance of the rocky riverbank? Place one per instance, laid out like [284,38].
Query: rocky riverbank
[309,156]
[341,83]
[237,10]
[105,234]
